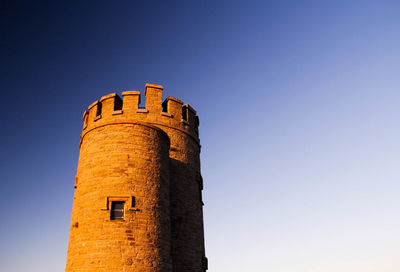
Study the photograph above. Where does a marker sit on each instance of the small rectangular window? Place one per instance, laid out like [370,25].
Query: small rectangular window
[117,210]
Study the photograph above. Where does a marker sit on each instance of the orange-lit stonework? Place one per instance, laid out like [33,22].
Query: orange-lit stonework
[147,160]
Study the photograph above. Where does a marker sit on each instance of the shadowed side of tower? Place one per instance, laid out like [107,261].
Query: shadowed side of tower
[137,203]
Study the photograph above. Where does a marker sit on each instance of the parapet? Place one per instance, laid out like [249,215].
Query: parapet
[112,109]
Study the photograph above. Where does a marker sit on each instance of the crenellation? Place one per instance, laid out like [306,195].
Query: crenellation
[189,115]
[131,101]
[84,115]
[93,104]
[93,110]
[153,95]
[85,119]
[108,104]
[170,113]
[174,107]
[108,96]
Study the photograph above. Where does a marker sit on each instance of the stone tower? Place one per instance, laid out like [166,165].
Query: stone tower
[137,201]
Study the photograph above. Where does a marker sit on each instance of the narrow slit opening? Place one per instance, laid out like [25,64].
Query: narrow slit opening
[98,111]
[184,113]
[142,102]
[164,107]
[118,103]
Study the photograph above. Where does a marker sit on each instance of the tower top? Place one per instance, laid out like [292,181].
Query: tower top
[170,113]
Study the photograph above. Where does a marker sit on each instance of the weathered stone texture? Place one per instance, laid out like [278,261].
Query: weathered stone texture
[150,160]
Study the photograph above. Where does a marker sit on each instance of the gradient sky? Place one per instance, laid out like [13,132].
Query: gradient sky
[299,105]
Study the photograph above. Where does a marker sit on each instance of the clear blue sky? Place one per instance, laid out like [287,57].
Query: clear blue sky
[299,105]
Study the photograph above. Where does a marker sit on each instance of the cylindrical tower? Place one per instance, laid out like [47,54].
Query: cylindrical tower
[137,203]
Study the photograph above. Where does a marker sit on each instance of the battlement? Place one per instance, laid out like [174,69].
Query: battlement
[171,112]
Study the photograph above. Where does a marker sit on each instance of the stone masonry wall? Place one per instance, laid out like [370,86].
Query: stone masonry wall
[150,159]
[116,163]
